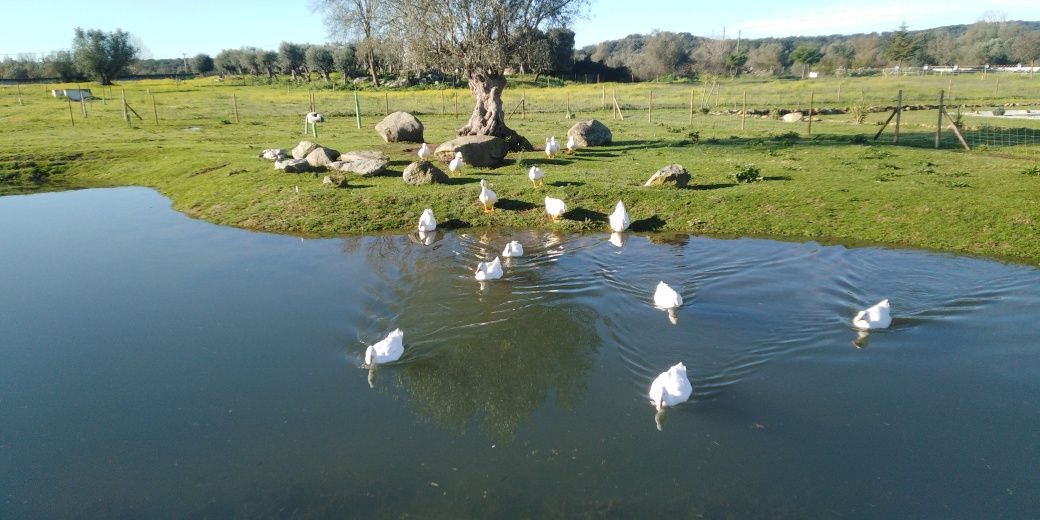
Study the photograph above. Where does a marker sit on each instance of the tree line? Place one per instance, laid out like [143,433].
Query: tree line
[645,57]
[380,53]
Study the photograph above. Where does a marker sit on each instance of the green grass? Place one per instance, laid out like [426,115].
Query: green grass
[836,186]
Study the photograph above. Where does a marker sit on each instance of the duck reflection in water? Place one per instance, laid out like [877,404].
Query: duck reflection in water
[862,339]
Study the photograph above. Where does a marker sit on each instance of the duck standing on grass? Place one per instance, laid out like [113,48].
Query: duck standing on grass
[572,144]
[456,164]
[425,152]
[536,175]
[487,197]
[551,147]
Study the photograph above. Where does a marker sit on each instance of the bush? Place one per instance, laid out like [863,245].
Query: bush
[705,110]
[859,115]
[1032,172]
[746,174]
[998,111]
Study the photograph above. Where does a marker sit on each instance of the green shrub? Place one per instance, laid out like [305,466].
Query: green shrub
[1032,171]
[705,110]
[746,174]
[998,111]
[858,114]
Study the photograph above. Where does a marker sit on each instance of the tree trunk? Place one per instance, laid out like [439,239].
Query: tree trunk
[488,117]
[372,68]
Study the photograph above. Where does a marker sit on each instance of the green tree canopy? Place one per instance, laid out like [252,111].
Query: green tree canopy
[807,55]
[902,46]
[101,55]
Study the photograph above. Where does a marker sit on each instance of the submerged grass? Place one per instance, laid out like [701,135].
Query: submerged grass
[839,185]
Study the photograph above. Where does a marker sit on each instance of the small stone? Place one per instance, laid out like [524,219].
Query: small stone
[274,154]
[364,163]
[671,175]
[420,173]
[321,157]
[293,166]
[792,117]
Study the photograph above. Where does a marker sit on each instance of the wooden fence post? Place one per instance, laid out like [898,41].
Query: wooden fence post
[20,102]
[234,102]
[386,104]
[839,92]
[650,108]
[442,102]
[899,113]
[72,119]
[456,104]
[155,112]
[812,96]
[938,129]
[691,106]
[602,95]
[523,106]
[743,111]
[126,114]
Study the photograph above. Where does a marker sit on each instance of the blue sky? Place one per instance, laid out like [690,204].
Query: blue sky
[174,28]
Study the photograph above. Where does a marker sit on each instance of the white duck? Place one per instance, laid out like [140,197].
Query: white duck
[572,144]
[513,249]
[487,197]
[536,175]
[555,208]
[489,270]
[456,164]
[671,387]
[425,152]
[551,147]
[619,220]
[666,298]
[426,221]
[314,117]
[876,317]
[389,349]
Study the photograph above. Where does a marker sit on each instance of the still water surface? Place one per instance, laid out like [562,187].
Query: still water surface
[156,366]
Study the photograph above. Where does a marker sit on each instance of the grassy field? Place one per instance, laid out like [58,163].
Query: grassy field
[835,185]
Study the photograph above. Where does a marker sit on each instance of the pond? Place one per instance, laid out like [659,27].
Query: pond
[154,366]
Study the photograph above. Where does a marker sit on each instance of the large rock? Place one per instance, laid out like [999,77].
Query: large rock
[419,173]
[293,166]
[792,117]
[322,157]
[400,126]
[364,163]
[671,175]
[590,133]
[477,150]
[304,148]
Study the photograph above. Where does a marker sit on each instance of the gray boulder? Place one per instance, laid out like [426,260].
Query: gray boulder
[477,150]
[671,175]
[364,163]
[400,126]
[303,149]
[293,166]
[274,154]
[322,157]
[792,117]
[419,173]
[590,133]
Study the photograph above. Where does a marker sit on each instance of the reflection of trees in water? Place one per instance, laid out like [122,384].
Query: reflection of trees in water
[470,362]
[506,370]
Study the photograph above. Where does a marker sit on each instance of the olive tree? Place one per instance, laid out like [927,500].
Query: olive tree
[319,58]
[478,38]
[103,55]
[807,55]
[291,57]
[202,64]
[344,57]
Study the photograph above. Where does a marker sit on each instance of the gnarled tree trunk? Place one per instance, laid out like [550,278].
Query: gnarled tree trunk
[488,117]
